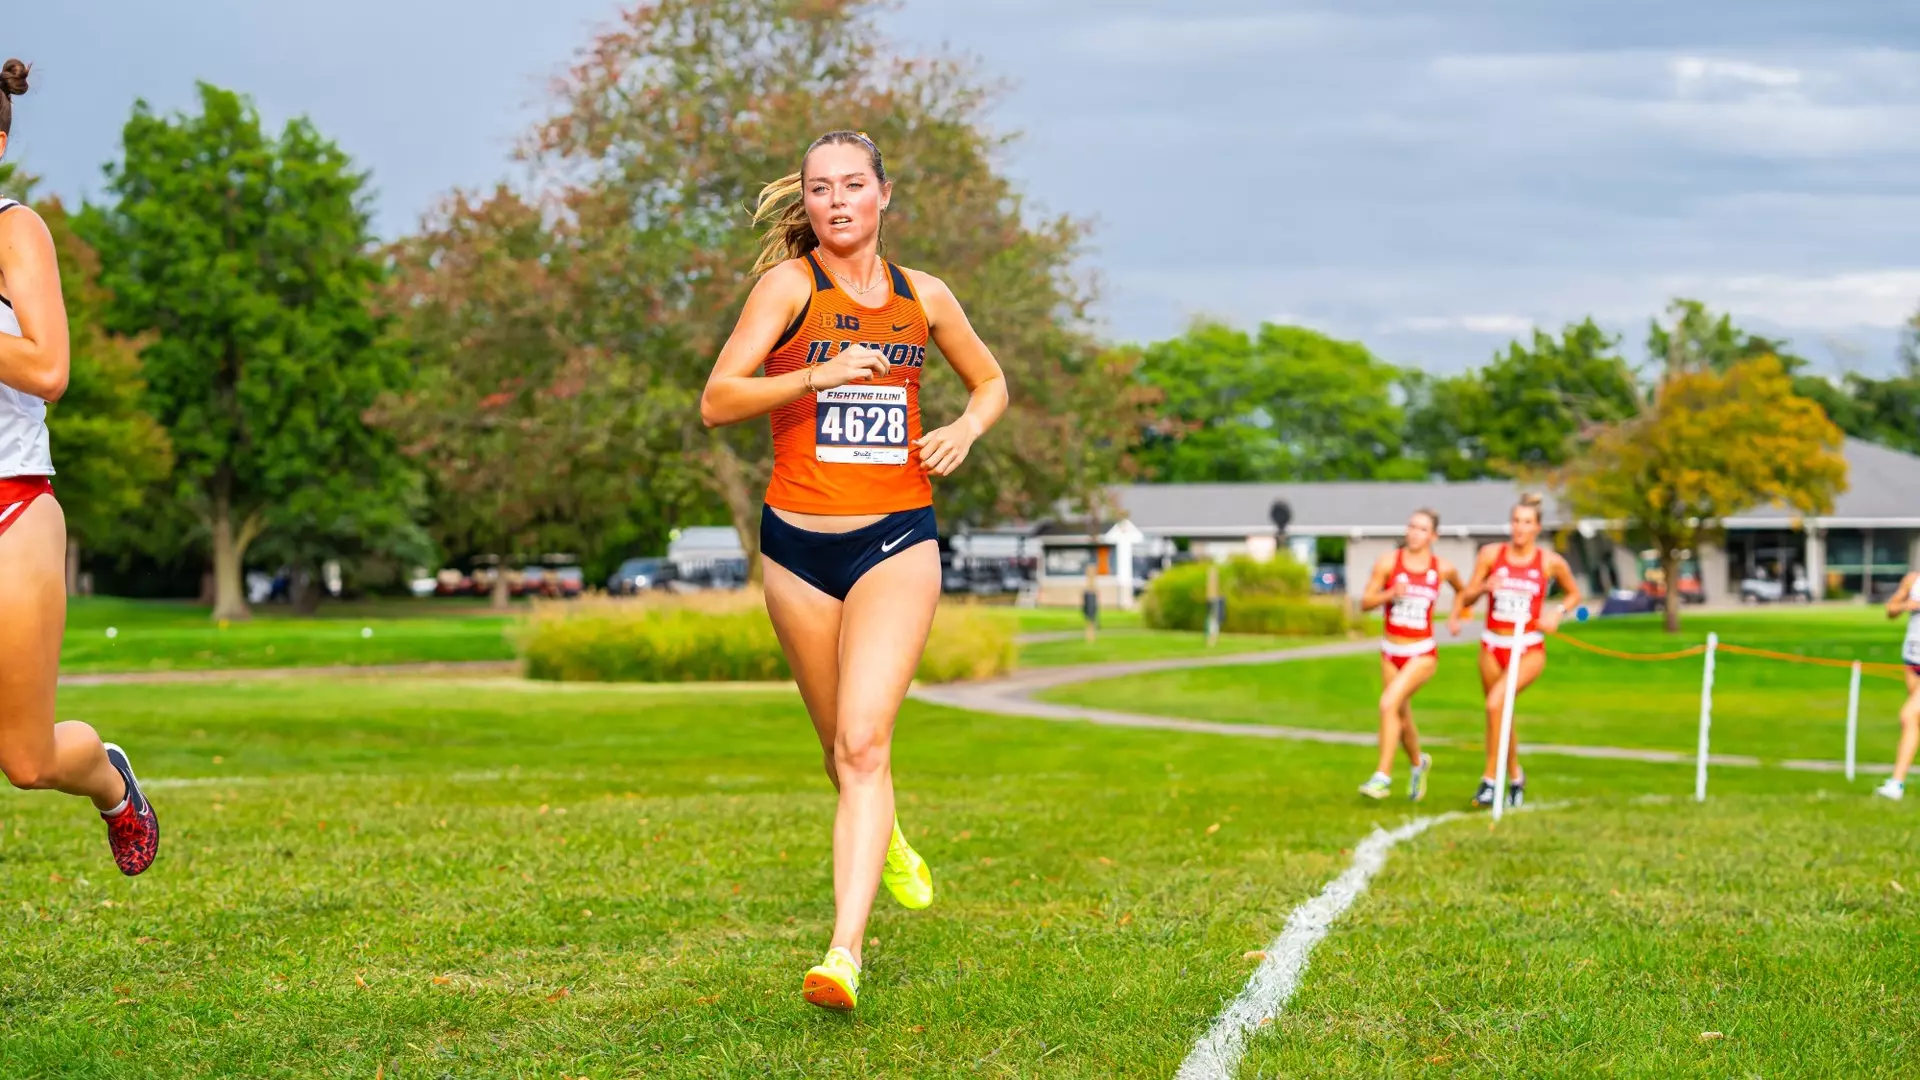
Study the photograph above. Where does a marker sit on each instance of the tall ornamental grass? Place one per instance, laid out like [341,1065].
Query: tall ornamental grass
[723,637]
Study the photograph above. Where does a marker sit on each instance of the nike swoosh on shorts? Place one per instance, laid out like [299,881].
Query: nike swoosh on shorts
[896,542]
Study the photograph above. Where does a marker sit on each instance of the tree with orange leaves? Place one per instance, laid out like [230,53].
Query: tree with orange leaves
[1715,439]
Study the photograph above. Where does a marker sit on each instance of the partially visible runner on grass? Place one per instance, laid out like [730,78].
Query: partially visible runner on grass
[1517,576]
[1905,603]
[1407,583]
[35,752]
[851,560]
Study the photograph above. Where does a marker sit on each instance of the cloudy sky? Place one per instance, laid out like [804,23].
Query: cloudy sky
[1428,178]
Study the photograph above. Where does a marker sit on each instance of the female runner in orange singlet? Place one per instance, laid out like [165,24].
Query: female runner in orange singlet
[851,561]
[1516,575]
[35,752]
[1407,583]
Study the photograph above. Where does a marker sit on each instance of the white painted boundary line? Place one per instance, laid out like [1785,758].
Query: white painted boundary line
[1217,1055]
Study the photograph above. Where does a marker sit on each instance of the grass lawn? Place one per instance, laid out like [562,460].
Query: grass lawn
[467,878]
[1119,645]
[154,635]
[1048,620]
[1761,707]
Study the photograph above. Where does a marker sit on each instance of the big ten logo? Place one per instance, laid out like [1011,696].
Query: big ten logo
[839,321]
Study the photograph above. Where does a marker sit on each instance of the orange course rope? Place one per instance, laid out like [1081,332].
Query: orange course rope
[1866,667]
[1886,671]
[1681,654]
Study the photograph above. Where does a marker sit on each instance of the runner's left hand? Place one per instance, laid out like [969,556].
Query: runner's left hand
[943,449]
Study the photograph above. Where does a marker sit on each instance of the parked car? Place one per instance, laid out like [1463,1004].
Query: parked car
[714,574]
[1628,602]
[636,576]
[1764,588]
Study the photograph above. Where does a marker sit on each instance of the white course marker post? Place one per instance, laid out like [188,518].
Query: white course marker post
[1853,716]
[1706,721]
[1506,726]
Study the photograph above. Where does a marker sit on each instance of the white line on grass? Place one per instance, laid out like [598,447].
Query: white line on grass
[1217,1055]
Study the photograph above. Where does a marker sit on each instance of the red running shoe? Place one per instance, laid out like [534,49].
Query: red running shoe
[134,832]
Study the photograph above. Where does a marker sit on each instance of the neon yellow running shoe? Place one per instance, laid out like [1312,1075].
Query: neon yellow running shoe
[906,874]
[833,983]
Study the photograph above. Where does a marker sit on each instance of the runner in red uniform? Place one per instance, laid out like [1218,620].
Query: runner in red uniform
[36,752]
[847,534]
[1516,575]
[1407,583]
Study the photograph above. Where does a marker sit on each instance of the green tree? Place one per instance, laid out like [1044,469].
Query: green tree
[1524,410]
[246,261]
[1712,442]
[111,455]
[535,436]
[1694,338]
[1885,411]
[667,129]
[1285,403]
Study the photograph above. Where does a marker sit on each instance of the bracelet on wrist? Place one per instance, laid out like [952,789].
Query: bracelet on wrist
[806,378]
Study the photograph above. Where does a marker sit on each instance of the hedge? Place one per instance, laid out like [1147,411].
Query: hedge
[1268,597]
[725,638]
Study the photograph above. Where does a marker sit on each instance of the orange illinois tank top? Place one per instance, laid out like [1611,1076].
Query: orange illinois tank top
[849,450]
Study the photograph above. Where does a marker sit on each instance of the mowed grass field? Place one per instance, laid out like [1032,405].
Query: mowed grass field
[464,877]
[1764,708]
[171,636]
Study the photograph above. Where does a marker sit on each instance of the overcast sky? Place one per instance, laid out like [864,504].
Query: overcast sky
[1431,179]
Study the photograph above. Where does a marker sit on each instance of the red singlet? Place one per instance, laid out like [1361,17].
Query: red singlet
[1518,592]
[1409,618]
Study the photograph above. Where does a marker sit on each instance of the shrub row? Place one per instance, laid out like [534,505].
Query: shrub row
[723,639]
[1262,598]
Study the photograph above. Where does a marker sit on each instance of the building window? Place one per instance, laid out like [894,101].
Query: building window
[1072,561]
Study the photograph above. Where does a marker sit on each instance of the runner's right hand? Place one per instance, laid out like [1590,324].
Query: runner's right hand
[854,364]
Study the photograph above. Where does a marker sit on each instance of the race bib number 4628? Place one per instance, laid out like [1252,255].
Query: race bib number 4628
[861,425]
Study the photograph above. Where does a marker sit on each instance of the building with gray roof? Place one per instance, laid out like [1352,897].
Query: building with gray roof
[1862,548]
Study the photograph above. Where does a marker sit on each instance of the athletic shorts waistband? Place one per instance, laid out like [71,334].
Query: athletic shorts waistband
[1505,641]
[1407,649]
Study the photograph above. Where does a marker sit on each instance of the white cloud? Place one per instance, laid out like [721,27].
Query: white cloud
[1695,73]
[1502,325]
[1881,299]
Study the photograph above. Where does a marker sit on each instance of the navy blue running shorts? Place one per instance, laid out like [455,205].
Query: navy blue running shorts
[833,562]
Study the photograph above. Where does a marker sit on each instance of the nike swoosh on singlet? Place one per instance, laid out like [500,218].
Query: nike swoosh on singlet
[896,542]
[901,327]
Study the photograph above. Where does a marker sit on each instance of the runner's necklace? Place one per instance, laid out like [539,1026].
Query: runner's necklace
[848,282]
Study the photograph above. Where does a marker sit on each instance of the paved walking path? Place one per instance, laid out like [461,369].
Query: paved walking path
[1015,696]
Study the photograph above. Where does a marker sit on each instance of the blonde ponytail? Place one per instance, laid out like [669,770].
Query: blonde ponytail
[790,234]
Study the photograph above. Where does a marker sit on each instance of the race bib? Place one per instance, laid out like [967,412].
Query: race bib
[861,425]
[1512,607]
[1410,611]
